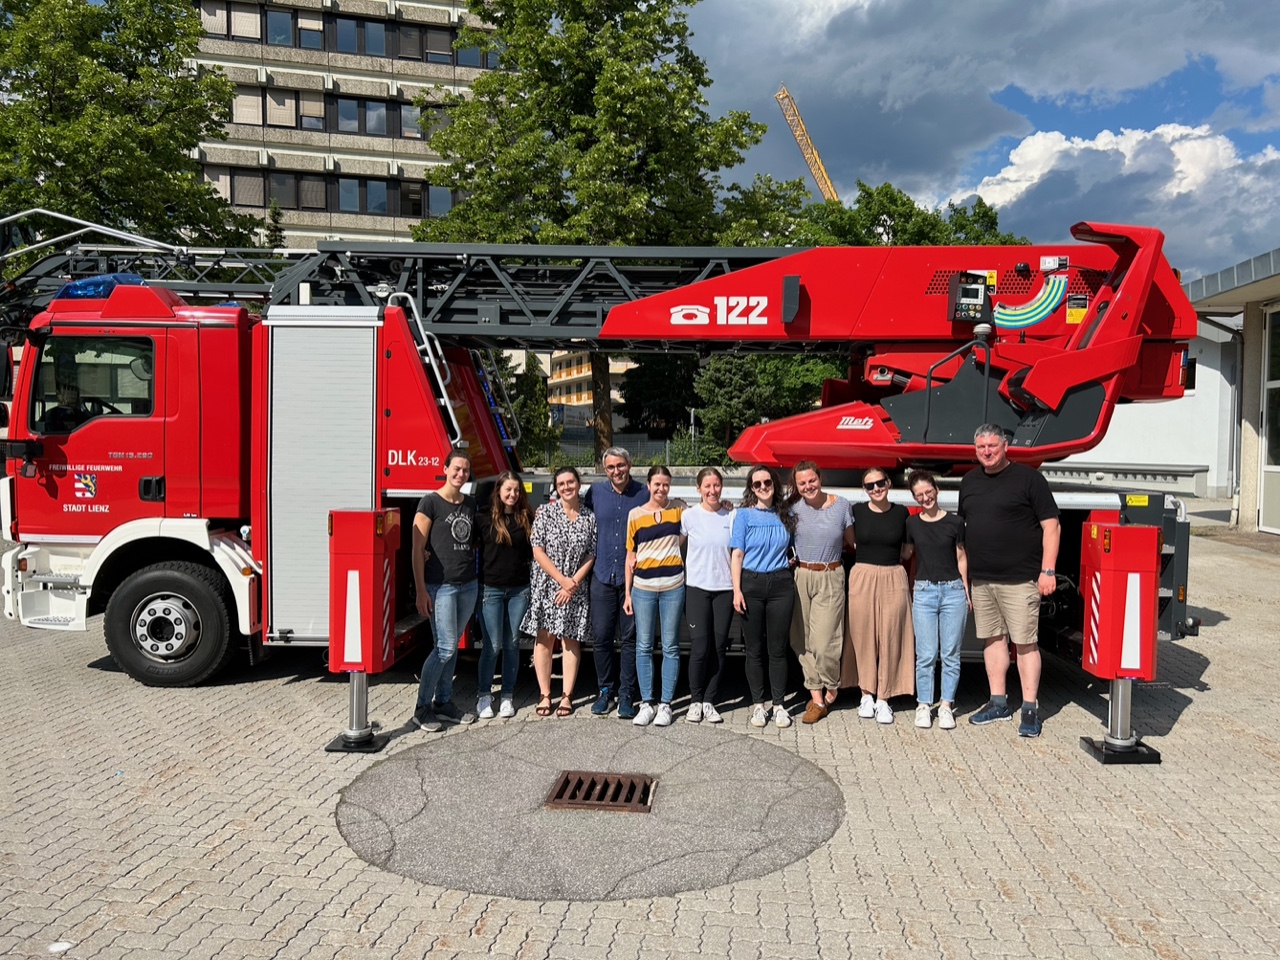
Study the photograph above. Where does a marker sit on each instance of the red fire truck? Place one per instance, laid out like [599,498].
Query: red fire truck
[174,466]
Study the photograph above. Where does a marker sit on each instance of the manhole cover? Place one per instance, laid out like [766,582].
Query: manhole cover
[469,811]
[619,792]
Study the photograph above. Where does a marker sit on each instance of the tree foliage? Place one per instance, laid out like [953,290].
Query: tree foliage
[658,393]
[596,131]
[528,392]
[99,115]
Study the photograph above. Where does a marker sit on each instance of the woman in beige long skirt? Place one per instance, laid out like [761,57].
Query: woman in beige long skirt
[883,642]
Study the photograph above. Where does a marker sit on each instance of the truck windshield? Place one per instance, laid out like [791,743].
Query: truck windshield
[82,378]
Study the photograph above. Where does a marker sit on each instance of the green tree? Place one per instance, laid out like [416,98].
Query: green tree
[99,115]
[273,232]
[528,392]
[595,132]
[658,393]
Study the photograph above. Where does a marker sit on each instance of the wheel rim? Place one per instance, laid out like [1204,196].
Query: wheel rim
[166,627]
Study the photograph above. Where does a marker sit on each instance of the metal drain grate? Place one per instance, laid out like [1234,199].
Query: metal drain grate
[584,790]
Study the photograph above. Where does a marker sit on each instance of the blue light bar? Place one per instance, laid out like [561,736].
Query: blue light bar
[98,288]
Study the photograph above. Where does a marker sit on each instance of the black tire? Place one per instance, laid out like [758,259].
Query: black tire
[169,625]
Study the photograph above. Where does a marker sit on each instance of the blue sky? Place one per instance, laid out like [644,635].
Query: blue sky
[1165,114]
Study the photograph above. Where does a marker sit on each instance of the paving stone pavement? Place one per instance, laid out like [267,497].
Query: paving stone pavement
[145,823]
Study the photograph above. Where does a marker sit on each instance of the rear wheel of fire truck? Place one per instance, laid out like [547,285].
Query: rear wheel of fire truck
[169,625]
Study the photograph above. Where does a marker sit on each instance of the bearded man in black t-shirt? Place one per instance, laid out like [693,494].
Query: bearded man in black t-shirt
[1011,537]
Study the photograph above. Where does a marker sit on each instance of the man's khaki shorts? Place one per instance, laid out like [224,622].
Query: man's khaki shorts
[1007,609]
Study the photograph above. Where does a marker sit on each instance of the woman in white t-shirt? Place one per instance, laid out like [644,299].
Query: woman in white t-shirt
[708,599]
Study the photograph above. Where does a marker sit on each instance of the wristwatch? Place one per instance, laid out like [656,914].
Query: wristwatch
[1048,572]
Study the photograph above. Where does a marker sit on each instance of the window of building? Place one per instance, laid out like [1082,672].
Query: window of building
[247,189]
[439,201]
[246,22]
[283,189]
[375,192]
[279,28]
[348,115]
[348,195]
[410,42]
[282,108]
[311,193]
[220,178]
[311,109]
[213,17]
[470,57]
[347,35]
[375,118]
[410,115]
[411,200]
[310,31]
[375,39]
[247,106]
[439,45]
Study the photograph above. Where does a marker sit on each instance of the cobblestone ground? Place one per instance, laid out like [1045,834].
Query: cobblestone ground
[200,823]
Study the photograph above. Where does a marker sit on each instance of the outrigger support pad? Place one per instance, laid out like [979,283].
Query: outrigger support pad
[361,736]
[1121,744]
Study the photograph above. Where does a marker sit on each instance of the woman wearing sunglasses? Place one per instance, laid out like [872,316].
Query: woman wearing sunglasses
[879,602]
[763,589]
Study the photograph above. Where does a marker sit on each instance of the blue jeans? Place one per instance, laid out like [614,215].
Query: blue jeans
[452,605]
[501,610]
[666,606]
[938,613]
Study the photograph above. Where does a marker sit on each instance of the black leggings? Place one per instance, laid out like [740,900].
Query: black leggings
[766,628]
[709,614]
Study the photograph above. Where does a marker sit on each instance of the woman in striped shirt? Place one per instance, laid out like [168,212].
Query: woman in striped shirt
[655,592]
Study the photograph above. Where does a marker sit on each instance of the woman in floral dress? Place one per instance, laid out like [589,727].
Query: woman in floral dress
[564,548]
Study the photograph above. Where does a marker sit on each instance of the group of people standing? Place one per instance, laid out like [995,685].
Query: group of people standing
[624,560]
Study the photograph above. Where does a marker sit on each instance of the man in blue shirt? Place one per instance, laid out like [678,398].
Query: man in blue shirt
[611,501]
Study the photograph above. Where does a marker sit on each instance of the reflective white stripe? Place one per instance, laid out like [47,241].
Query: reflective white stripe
[59,538]
[1095,610]
[351,638]
[1131,646]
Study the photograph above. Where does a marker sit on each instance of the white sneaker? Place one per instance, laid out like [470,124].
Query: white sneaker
[694,715]
[644,716]
[924,716]
[781,718]
[867,708]
[758,717]
[663,717]
[711,714]
[484,708]
[946,718]
[884,713]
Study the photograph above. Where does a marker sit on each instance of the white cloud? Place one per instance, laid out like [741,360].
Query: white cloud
[1215,206]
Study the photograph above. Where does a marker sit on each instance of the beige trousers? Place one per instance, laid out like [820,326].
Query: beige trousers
[817,626]
[882,640]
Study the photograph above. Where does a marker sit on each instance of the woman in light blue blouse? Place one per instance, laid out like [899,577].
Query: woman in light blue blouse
[763,588]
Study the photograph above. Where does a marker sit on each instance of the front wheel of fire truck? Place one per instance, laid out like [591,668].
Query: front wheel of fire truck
[168,625]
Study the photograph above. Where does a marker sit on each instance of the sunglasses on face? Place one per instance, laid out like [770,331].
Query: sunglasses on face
[761,484]
[875,485]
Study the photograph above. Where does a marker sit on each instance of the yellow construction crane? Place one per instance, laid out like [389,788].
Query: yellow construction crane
[792,113]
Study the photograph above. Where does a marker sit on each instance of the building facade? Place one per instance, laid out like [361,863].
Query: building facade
[569,387]
[324,120]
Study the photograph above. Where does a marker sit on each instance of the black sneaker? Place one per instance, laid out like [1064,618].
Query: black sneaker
[603,702]
[448,712]
[426,720]
[991,713]
[1030,725]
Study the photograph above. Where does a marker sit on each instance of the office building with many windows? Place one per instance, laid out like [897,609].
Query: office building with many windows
[324,120]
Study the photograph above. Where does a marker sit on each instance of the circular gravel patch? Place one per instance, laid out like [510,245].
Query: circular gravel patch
[465,811]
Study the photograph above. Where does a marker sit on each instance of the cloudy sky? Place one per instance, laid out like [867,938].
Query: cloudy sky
[1159,113]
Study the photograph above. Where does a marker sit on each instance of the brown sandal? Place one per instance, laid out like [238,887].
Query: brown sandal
[544,706]
[566,707]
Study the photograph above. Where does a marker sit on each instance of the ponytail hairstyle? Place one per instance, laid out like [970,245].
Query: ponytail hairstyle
[497,509]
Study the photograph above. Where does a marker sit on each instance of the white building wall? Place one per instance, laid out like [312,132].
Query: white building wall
[1188,445]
